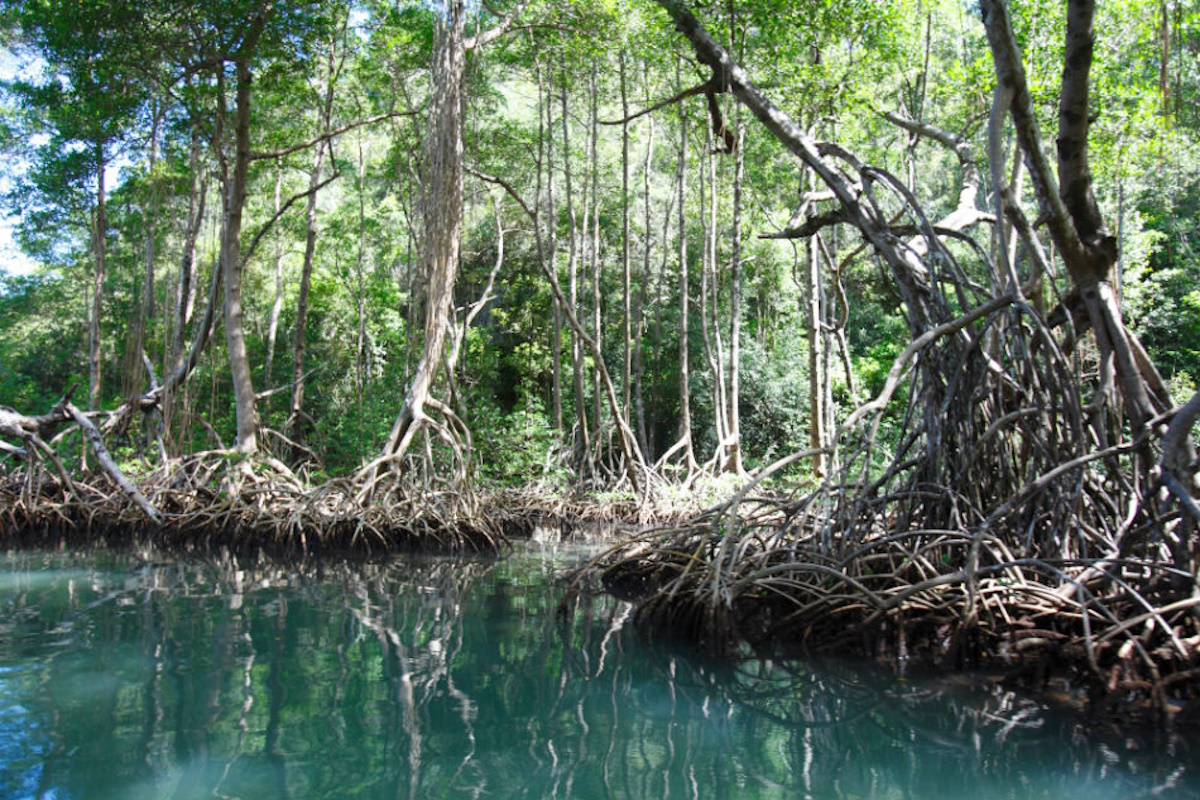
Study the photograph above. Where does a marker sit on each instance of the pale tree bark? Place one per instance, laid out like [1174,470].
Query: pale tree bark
[443,201]
[185,290]
[594,254]
[685,390]
[277,303]
[361,367]
[245,402]
[443,220]
[626,276]
[582,443]
[295,419]
[99,268]
[149,254]
[133,371]
[818,375]
[709,289]
[234,181]
[547,232]
[733,462]
[639,310]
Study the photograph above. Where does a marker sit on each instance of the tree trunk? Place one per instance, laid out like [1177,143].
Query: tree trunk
[295,428]
[245,403]
[295,420]
[817,374]
[1068,203]
[708,297]
[685,391]
[277,304]
[582,443]
[647,226]
[99,247]
[443,201]
[626,277]
[594,254]
[360,290]
[734,462]
[185,292]
[548,250]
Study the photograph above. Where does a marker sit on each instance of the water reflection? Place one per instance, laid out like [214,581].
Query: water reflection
[121,678]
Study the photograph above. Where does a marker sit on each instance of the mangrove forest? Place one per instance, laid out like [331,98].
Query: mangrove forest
[860,330]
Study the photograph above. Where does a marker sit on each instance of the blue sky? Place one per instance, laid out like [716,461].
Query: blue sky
[12,260]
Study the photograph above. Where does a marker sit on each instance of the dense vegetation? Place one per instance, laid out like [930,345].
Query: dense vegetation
[98,99]
[823,247]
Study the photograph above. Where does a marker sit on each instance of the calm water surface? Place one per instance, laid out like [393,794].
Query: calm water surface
[123,678]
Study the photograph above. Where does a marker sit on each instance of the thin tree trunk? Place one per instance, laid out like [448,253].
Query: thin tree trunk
[626,277]
[685,391]
[99,245]
[295,429]
[594,252]
[708,291]
[647,224]
[583,445]
[149,255]
[360,300]
[734,463]
[185,293]
[645,281]
[277,304]
[295,420]
[816,352]
[547,251]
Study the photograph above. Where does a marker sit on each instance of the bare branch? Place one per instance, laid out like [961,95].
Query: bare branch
[505,185]
[496,31]
[686,93]
[260,155]
[282,210]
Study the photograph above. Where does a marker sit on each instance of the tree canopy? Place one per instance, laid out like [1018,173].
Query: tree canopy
[193,132]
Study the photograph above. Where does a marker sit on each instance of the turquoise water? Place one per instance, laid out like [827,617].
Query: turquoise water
[122,678]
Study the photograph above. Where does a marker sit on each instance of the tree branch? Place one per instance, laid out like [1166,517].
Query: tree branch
[260,155]
[503,185]
[686,93]
[1010,74]
[496,31]
[282,210]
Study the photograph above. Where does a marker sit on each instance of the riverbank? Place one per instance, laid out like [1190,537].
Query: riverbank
[1118,636]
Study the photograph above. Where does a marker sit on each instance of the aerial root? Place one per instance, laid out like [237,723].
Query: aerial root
[246,504]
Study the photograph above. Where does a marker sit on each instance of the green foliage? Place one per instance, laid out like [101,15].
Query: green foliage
[518,446]
[41,342]
[831,65]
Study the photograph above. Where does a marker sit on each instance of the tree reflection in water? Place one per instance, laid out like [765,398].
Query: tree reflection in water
[124,678]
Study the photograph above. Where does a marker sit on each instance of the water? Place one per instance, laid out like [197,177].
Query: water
[121,678]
